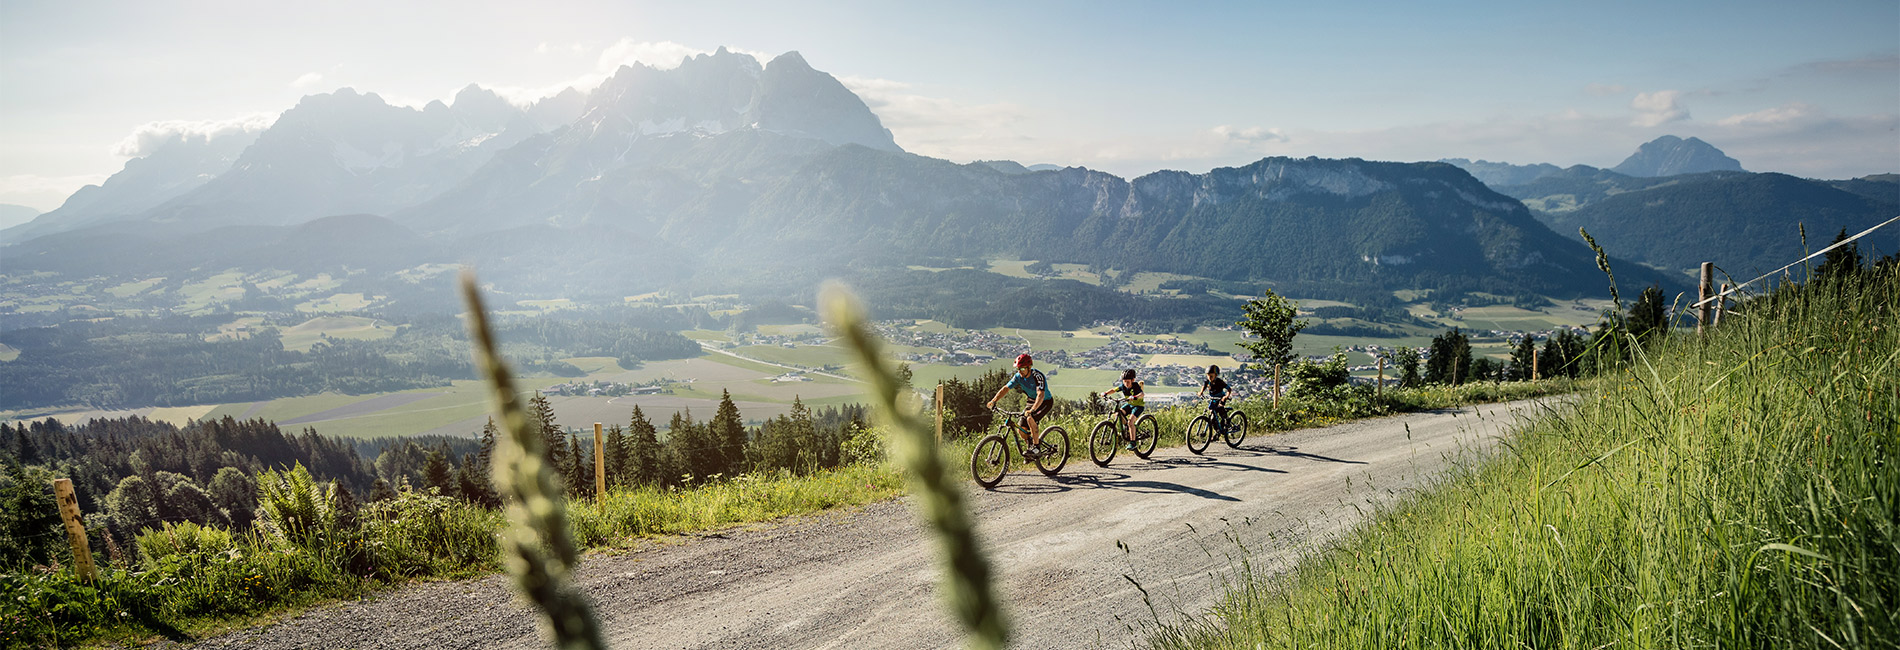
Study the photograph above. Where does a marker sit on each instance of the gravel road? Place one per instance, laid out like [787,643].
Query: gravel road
[1075,554]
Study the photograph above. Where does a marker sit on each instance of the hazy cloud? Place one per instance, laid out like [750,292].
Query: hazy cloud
[150,136]
[1779,115]
[945,128]
[308,80]
[1658,108]
[1250,135]
[1605,89]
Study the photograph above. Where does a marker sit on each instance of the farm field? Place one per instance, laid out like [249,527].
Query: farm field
[302,336]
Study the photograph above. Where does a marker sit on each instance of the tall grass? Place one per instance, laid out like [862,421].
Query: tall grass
[1736,490]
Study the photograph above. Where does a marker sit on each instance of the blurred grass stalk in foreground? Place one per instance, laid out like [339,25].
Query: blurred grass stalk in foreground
[539,550]
[940,500]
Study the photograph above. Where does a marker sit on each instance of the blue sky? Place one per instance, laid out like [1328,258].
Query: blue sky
[1811,89]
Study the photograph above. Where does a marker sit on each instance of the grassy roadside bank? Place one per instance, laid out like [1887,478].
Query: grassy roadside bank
[199,580]
[1734,491]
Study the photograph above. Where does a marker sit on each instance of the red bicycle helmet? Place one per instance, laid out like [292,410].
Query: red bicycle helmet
[1023,361]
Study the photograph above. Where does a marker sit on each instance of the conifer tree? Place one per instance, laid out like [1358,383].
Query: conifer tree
[437,474]
[555,440]
[1521,356]
[647,458]
[1407,360]
[617,450]
[380,491]
[1840,262]
[1649,318]
[728,431]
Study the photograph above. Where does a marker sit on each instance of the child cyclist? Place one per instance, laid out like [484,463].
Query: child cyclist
[1134,404]
[1217,394]
[1040,401]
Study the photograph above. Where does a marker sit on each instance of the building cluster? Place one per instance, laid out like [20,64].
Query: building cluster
[603,389]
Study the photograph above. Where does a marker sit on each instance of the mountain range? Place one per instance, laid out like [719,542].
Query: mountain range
[724,171]
[1677,202]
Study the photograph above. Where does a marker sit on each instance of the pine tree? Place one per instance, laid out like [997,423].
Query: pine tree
[1649,318]
[728,432]
[580,468]
[473,485]
[805,439]
[1840,262]
[437,474]
[617,456]
[553,439]
[648,458]
[1521,359]
[380,491]
[346,507]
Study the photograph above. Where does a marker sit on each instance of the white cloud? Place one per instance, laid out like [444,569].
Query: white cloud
[150,136]
[541,49]
[1658,108]
[1250,135]
[308,80]
[1778,115]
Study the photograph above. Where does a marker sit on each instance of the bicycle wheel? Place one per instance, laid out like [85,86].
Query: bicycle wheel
[1147,433]
[1052,462]
[1200,432]
[989,461]
[1103,443]
[1236,429]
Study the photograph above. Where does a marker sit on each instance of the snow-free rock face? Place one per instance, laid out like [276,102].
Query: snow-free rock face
[1670,156]
[795,99]
[173,168]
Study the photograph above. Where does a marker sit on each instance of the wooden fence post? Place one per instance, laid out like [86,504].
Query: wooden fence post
[1276,385]
[75,531]
[600,465]
[940,413]
[1378,392]
[1721,306]
[1533,361]
[1704,291]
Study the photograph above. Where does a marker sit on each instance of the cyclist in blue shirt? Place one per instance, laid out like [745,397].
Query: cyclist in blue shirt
[1031,384]
[1131,409]
[1217,394]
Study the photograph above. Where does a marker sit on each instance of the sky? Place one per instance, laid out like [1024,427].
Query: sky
[1810,89]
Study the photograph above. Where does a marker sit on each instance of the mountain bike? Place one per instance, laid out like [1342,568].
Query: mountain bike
[990,460]
[1204,428]
[1111,434]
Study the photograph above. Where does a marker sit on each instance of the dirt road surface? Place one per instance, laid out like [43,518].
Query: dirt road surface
[1075,554]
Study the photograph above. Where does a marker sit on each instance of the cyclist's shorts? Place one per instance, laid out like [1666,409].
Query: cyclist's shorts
[1131,409]
[1047,405]
[1216,405]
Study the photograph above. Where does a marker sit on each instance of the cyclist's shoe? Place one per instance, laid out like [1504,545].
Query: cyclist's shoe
[1033,452]
[1128,446]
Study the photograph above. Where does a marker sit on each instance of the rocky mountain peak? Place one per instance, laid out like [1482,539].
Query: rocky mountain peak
[1670,156]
